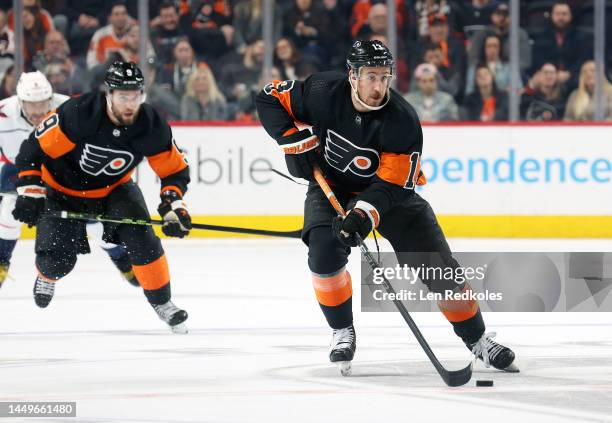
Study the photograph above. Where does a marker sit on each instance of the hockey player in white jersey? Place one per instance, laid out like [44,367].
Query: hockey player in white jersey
[19,115]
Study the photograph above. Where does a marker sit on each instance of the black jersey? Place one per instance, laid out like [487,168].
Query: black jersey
[79,151]
[376,153]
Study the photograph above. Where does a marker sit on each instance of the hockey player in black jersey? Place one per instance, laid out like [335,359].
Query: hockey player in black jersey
[368,141]
[81,158]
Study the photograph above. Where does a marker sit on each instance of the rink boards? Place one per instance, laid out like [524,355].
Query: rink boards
[485,181]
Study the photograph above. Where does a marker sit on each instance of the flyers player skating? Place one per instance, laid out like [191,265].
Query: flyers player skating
[19,115]
[368,141]
[81,158]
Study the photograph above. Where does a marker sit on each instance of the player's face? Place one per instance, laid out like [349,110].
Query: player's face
[373,84]
[125,105]
[35,111]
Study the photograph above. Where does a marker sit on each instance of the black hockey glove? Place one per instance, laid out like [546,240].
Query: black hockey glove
[300,155]
[360,220]
[173,210]
[30,202]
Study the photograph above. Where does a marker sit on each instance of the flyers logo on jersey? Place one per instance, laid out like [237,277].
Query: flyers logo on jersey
[345,156]
[97,160]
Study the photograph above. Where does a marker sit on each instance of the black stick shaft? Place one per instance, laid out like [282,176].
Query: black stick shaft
[152,222]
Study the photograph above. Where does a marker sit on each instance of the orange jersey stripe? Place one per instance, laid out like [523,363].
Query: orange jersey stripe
[398,168]
[30,173]
[92,193]
[459,310]
[167,162]
[153,275]
[394,168]
[52,140]
[334,290]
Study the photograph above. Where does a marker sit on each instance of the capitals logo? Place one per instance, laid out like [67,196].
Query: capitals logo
[97,160]
[343,155]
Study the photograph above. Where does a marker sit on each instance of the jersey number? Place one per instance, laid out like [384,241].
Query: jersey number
[279,86]
[47,124]
[413,174]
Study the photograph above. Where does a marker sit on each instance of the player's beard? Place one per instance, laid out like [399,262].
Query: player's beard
[121,120]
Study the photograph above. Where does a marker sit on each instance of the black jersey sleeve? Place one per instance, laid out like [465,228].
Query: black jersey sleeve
[47,141]
[166,159]
[399,171]
[282,104]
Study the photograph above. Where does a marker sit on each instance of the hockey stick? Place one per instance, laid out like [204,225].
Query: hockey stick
[450,377]
[151,222]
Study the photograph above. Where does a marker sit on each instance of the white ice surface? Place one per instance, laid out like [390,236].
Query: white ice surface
[257,347]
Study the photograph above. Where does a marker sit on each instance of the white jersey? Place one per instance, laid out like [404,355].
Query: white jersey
[14,128]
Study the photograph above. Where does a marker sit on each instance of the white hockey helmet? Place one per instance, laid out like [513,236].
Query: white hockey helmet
[33,87]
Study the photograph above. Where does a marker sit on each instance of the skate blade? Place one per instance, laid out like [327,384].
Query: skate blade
[345,368]
[512,368]
[181,329]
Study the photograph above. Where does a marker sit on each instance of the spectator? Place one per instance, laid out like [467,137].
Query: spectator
[286,58]
[208,16]
[248,23]
[55,48]
[173,76]
[377,25]
[166,35]
[421,11]
[39,13]
[209,31]
[306,24]
[452,61]
[202,99]
[544,97]
[239,76]
[8,83]
[361,11]
[447,81]
[500,25]
[430,104]
[34,33]
[469,14]
[62,79]
[490,56]
[7,44]
[562,45]
[486,103]
[129,51]
[83,21]
[57,53]
[581,103]
[110,38]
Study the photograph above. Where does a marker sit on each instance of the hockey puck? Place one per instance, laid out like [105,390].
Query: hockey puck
[484,383]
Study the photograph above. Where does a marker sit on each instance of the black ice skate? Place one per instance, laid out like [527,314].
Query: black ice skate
[43,292]
[342,349]
[172,315]
[493,354]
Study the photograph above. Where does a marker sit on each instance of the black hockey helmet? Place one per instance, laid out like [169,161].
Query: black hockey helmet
[124,76]
[372,53]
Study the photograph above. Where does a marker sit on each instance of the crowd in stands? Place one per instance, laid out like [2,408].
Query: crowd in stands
[204,60]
